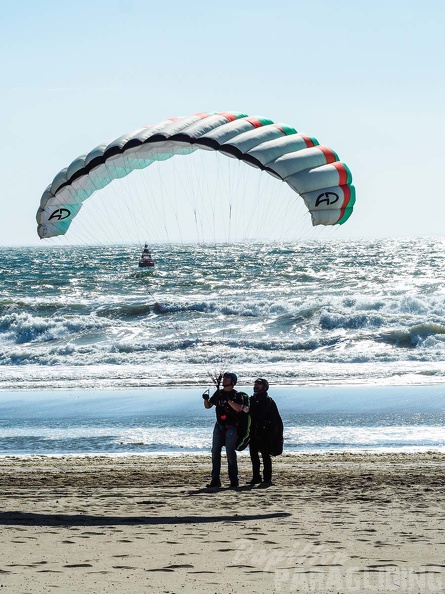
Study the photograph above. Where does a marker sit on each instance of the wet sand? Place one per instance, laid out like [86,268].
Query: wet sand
[329,523]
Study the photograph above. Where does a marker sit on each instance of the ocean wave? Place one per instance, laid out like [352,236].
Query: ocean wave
[20,328]
[46,308]
[415,336]
[194,350]
[223,306]
[87,342]
[130,310]
[355,321]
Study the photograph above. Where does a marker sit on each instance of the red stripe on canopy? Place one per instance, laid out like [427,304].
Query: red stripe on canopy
[230,117]
[309,142]
[342,173]
[347,198]
[328,153]
[255,122]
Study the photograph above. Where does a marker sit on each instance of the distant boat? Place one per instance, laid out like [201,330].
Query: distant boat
[146,261]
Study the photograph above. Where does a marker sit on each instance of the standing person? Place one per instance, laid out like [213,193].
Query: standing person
[266,432]
[228,403]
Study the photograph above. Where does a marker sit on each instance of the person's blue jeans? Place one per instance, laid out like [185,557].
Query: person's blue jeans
[228,438]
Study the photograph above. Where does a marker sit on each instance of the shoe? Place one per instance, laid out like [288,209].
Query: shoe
[266,484]
[213,484]
[234,485]
[256,480]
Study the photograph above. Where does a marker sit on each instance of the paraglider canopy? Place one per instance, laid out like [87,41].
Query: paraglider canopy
[311,170]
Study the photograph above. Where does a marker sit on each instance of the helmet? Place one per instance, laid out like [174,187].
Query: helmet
[264,382]
[232,376]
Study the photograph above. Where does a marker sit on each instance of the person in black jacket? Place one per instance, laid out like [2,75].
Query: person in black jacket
[266,432]
[228,403]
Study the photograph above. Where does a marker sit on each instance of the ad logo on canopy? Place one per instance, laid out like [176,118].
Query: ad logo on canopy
[60,214]
[328,197]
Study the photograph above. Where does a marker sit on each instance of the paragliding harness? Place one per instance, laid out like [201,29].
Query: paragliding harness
[240,420]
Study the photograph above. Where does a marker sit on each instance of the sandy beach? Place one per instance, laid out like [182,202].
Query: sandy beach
[330,523]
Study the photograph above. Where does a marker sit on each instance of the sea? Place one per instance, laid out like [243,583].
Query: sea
[97,356]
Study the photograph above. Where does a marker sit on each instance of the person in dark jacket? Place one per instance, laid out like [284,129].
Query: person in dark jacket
[266,432]
[229,404]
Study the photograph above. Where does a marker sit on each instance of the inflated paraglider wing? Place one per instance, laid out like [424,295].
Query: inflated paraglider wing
[311,170]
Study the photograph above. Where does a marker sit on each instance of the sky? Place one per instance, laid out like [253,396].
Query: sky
[364,79]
